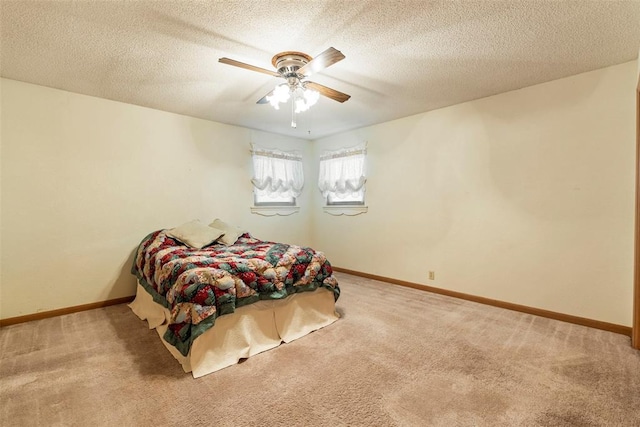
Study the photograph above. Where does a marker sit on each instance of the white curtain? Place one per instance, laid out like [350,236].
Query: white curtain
[276,173]
[342,173]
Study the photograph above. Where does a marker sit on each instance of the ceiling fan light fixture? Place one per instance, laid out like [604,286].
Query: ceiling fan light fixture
[307,100]
[311,97]
[295,67]
[280,96]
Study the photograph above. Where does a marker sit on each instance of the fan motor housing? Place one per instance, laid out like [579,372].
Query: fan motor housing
[288,63]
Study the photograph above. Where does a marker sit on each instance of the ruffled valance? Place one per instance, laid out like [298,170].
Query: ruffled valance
[277,173]
[342,173]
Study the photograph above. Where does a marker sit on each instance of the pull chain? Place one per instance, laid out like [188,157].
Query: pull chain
[293,111]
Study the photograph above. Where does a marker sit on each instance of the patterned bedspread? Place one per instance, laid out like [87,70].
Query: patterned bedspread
[198,285]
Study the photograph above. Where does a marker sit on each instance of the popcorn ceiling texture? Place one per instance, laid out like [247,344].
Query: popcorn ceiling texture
[402,57]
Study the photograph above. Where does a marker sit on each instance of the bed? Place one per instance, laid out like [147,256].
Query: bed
[215,297]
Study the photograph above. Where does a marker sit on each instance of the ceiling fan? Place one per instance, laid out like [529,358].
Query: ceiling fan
[295,68]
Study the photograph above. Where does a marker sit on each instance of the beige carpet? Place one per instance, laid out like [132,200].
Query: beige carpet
[397,357]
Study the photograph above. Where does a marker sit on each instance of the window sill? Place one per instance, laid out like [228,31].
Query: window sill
[274,210]
[345,210]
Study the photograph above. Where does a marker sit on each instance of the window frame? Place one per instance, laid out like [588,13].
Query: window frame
[338,202]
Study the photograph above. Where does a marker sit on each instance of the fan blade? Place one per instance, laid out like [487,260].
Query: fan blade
[248,67]
[327,91]
[322,61]
[263,100]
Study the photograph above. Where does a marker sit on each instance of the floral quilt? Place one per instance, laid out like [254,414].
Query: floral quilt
[198,285]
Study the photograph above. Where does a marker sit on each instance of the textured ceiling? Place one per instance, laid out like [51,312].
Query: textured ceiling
[402,57]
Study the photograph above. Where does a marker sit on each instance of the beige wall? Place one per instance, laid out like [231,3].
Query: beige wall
[525,197]
[84,179]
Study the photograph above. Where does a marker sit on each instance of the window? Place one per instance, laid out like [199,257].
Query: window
[278,178]
[263,198]
[356,198]
[342,177]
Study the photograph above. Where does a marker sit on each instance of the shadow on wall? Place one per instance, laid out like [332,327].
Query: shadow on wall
[547,145]
[213,139]
[541,99]
[125,284]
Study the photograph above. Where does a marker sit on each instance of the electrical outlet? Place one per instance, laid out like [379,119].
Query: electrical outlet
[432,275]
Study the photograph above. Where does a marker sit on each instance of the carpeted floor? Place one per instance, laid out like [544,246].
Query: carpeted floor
[397,357]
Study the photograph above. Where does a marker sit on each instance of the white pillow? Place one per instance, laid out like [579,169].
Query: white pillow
[231,232]
[195,234]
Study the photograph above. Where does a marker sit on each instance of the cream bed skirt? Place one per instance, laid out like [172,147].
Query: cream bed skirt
[250,330]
